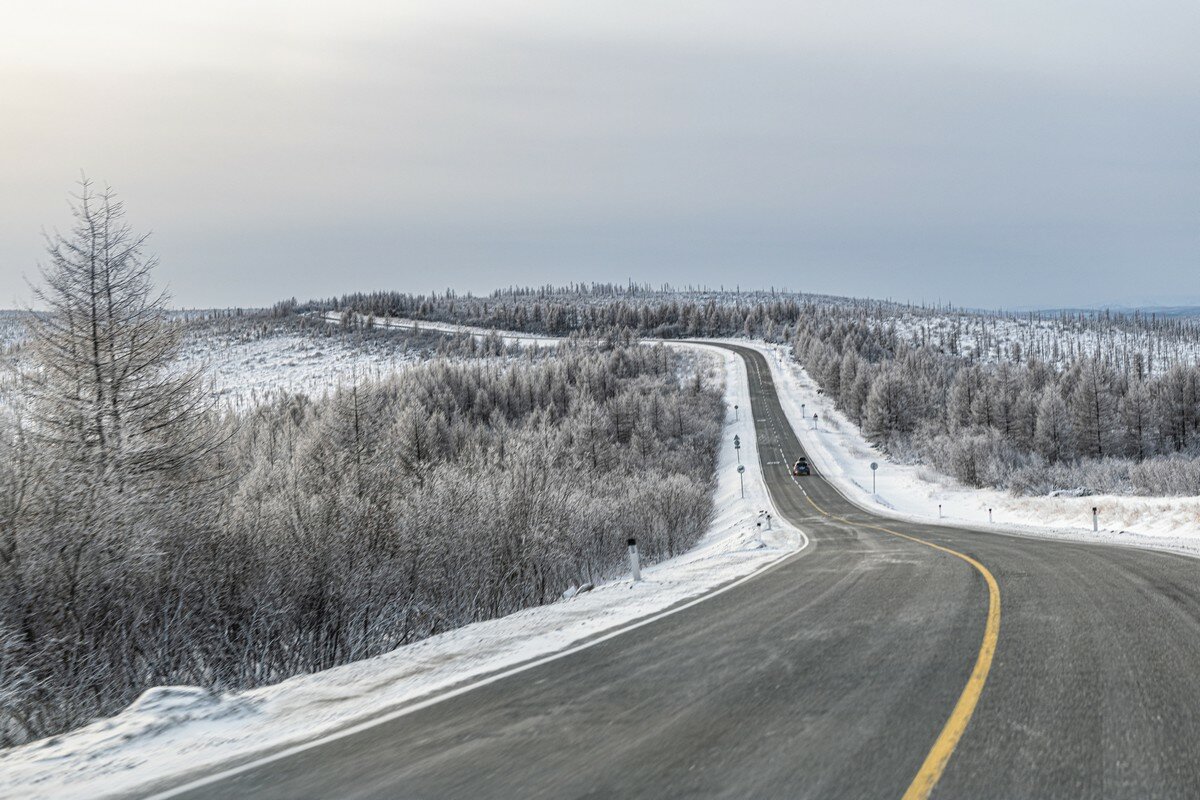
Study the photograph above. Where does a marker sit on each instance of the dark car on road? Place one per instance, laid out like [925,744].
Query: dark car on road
[800,467]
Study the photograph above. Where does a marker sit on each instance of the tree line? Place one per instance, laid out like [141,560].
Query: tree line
[1099,422]
[1063,401]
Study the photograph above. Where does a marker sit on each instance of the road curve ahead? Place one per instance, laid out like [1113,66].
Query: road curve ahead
[887,659]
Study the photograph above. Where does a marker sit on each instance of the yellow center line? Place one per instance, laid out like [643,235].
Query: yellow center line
[939,755]
[943,747]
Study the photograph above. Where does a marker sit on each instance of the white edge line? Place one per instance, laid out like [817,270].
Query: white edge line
[409,709]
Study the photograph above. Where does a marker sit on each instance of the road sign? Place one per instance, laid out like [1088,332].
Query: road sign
[874,466]
[741,469]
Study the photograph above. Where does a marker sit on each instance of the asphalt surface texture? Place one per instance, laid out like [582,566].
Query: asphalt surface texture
[835,674]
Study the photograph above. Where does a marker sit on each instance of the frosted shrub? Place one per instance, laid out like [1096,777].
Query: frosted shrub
[975,458]
[343,527]
[1166,475]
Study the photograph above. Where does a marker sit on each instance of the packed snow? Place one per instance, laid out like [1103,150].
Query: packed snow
[171,733]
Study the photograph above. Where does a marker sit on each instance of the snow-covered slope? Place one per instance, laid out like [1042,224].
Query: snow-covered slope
[173,731]
[247,370]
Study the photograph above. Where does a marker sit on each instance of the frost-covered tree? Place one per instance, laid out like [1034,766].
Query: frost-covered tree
[105,396]
[890,406]
[1177,406]
[1053,436]
[1093,409]
[1135,410]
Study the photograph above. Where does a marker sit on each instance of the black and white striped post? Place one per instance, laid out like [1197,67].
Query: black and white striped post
[634,566]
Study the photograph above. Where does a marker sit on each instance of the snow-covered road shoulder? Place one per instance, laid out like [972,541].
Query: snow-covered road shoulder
[173,732]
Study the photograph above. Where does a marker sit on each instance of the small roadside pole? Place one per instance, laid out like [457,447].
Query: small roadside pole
[816,420]
[803,413]
[737,446]
[768,522]
[742,479]
[633,561]
[874,469]
[735,412]
[939,510]
[989,515]
[1095,520]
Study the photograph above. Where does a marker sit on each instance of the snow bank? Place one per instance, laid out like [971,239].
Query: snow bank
[171,732]
[916,493]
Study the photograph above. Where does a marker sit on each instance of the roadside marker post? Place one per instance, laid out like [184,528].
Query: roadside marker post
[633,561]
[1095,520]
[874,469]
[939,510]
[735,412]
[742,479]
[737,446]
[768,522]
[989,515]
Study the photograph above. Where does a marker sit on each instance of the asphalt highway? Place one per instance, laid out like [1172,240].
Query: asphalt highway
[887,659]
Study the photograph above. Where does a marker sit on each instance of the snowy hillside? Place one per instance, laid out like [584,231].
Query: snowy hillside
[254,361]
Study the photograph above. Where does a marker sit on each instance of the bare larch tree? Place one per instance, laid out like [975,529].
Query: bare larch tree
[106,392]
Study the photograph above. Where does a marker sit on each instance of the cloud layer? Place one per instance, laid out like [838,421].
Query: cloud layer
[999,154]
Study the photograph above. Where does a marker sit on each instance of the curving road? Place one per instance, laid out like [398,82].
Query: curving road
[887,659]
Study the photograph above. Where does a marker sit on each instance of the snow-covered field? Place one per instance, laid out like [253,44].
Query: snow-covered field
[247,370]
[248,364]
[509,338]
[173,731]
[844,456]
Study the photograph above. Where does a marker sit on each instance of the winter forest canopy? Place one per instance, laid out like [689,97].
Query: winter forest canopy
[1076,402]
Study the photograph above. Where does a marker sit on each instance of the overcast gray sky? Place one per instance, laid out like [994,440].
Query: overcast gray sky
[1007,153]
